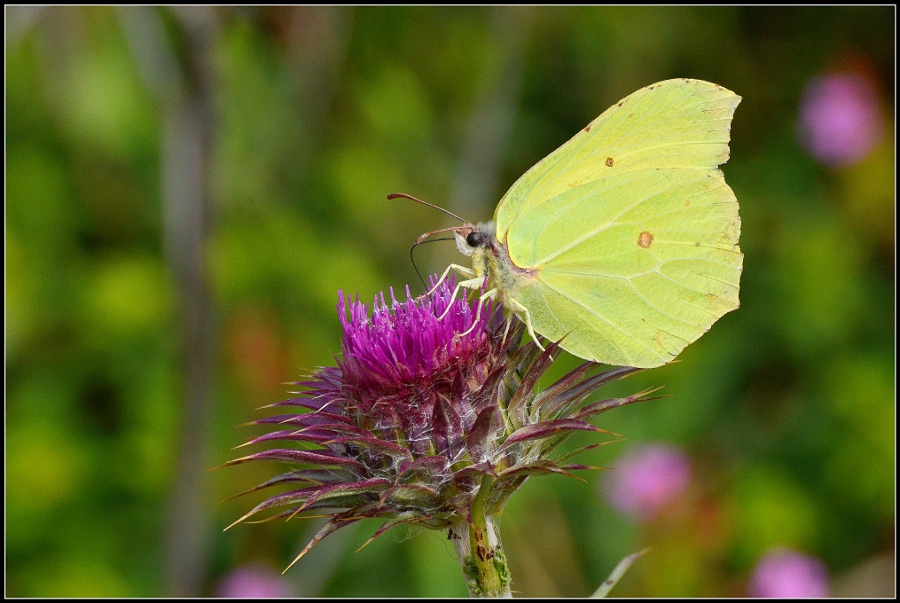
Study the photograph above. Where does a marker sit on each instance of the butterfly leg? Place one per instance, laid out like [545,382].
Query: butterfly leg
[521,311]
[492,294]
[472,283]
[466,272]
[506,330]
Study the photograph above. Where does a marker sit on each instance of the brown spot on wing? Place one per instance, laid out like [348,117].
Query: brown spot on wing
[587,128]
[645,239]
[609,162]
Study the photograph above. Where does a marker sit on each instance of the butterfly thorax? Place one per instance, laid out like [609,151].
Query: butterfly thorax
[490,258]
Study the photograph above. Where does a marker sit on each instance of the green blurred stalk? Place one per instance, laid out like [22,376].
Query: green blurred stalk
[480,552]
[183,89]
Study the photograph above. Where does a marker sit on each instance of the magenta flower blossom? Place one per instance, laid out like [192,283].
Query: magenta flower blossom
[840,119]
[647,478]
[787,574]
[254,581]
[431,417]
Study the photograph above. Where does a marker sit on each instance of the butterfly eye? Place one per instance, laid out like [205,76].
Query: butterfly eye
[474,239]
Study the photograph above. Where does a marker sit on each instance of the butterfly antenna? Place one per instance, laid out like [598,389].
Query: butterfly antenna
[411,198]
[422,238]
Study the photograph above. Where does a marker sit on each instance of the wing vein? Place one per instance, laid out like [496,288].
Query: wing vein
[604,319]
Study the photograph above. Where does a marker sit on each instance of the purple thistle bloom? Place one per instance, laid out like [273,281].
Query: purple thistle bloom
[430,417]
[788,574]
[404,362]
[840,119]
[647,478]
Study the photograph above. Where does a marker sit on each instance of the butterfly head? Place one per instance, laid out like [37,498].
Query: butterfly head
[473,237]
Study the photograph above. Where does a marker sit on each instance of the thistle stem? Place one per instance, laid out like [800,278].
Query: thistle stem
[479,551]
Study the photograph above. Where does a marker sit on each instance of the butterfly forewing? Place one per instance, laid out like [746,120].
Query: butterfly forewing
[675,123]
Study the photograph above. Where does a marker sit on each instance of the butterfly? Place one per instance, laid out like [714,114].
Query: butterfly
[622,243]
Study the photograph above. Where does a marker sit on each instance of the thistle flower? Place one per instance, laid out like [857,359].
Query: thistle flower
[840,119]
[783,573]
[647,478]
[254,581]
[432,418]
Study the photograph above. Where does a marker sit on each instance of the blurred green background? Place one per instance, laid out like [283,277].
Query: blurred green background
[188,189]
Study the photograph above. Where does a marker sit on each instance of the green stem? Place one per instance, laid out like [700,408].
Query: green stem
[479,551]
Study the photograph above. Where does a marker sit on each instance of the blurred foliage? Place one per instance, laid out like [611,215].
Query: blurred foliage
[786,406]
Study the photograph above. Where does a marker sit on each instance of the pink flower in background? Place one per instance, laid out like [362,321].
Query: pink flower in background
[648,477]
[254,581]
[786,574]
[840,118]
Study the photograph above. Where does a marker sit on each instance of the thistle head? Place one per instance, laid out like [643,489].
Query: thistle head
[431,408]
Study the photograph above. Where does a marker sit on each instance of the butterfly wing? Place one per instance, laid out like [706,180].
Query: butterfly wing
[631,228]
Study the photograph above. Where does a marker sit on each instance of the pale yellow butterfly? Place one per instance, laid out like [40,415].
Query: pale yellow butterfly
[622,243]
